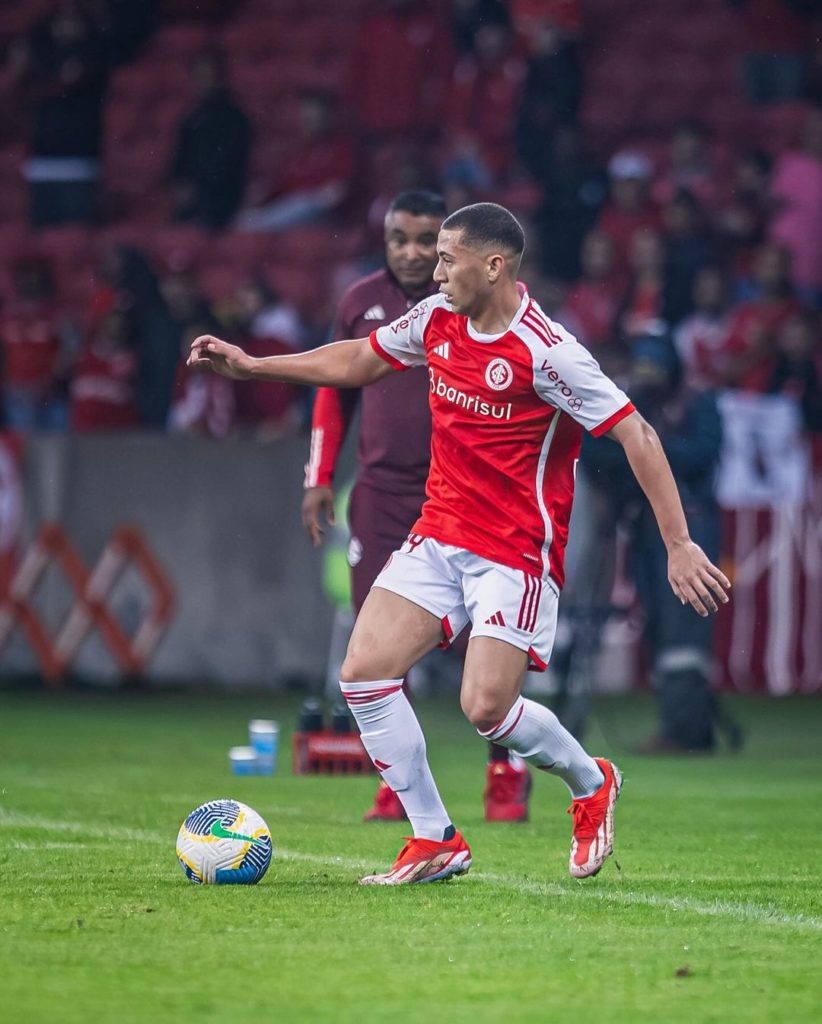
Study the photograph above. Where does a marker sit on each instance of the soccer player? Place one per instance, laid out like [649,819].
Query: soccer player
[393,453]
[511,392]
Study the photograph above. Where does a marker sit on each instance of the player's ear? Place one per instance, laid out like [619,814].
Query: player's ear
[495,267]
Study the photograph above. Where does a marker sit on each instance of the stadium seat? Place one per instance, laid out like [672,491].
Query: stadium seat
[779,125]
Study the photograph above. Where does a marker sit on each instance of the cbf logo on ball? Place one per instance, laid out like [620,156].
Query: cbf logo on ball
[498,374]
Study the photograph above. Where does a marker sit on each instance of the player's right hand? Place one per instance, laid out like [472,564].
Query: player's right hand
[318,502]
[228,360]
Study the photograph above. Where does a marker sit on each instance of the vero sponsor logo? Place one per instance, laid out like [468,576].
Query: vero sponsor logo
[573,400]
[405,322]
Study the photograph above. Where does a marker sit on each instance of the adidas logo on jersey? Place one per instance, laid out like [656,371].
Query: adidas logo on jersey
[443,350]
[374,313]
[495,620]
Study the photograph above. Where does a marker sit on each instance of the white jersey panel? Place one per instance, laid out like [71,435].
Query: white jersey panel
[566,375]
[403,338]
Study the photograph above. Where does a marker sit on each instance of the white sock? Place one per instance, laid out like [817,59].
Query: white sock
[393,738]
[536,734]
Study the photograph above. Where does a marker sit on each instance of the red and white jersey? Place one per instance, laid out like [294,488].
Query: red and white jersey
[508,412]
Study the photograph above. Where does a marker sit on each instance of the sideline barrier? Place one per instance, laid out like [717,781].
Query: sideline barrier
[88,611]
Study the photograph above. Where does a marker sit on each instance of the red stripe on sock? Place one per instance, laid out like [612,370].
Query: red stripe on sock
[511,728]
[366,696]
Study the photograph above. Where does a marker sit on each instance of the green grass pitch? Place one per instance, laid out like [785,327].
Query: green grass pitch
[716,914]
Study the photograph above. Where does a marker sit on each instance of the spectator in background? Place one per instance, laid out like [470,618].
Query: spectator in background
[643,308]
[201,406]
[749,347]
[468,15]
[482,102]
[34,340]
[680,651]
[591,306]
[742,219]
[797,369]
[776,42]
[316,174]
[261,324]
[796,190]
[210,163]
[630,207]
[182,306]
[689,167]
[575,187]
[102,388]
[125,280]
[551,95]
[699,338]
[688,248]
[61,69]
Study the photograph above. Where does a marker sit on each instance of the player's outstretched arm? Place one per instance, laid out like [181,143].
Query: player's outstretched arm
[691,573]
[343,364]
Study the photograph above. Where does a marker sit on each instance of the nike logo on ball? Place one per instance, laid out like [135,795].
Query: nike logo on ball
[219,832]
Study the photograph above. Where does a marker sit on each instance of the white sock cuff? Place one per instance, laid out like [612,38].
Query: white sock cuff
[498,732]
[358,694]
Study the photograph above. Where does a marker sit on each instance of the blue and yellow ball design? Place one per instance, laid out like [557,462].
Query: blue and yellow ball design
[224,842]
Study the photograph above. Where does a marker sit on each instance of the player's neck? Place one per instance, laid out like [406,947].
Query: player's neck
[496,317]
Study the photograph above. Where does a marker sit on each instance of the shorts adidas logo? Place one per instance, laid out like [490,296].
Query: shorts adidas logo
[495,620]
[443,350]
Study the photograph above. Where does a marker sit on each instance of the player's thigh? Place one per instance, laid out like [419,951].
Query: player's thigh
[492,680]
[390,635]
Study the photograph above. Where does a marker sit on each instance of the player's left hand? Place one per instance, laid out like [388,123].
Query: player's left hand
[695,579]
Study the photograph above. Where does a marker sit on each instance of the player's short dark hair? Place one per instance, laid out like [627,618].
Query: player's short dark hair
[487,224]
[419,203]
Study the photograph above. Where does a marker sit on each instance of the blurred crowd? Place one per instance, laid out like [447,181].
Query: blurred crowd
[712,245]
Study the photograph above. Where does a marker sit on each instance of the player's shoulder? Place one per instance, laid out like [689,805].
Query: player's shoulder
[541,334]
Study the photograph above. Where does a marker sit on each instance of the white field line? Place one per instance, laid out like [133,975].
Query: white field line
[743,912]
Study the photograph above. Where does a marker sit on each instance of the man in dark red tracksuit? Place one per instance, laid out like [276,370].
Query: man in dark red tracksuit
[393,451]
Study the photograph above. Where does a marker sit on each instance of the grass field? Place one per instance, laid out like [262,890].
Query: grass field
[716,914]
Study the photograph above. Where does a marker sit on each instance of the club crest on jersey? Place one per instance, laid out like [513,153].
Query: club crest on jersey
[498,374]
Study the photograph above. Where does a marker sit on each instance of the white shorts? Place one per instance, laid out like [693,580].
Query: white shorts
[460,587]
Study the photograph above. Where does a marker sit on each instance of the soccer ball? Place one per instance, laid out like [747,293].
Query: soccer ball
[224,842]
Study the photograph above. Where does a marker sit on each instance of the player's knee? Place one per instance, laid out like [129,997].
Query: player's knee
[357,668]
[482,711]
[351,672]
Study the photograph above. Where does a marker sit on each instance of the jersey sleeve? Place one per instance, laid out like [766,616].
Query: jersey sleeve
[402,342]
[330,420]
[571,379]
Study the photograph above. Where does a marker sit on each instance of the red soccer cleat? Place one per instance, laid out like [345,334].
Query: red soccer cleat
[507,788]
[425,860]
[593,840]
[387,806]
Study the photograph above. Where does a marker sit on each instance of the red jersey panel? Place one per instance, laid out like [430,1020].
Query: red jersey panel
[508,412]
[394,441]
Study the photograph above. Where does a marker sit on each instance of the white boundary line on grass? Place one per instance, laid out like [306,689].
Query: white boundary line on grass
[752,912]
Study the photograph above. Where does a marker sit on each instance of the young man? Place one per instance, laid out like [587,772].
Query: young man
[393,453]
[510,392]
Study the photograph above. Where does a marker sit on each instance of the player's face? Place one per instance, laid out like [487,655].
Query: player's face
[461,273]
[411,249]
